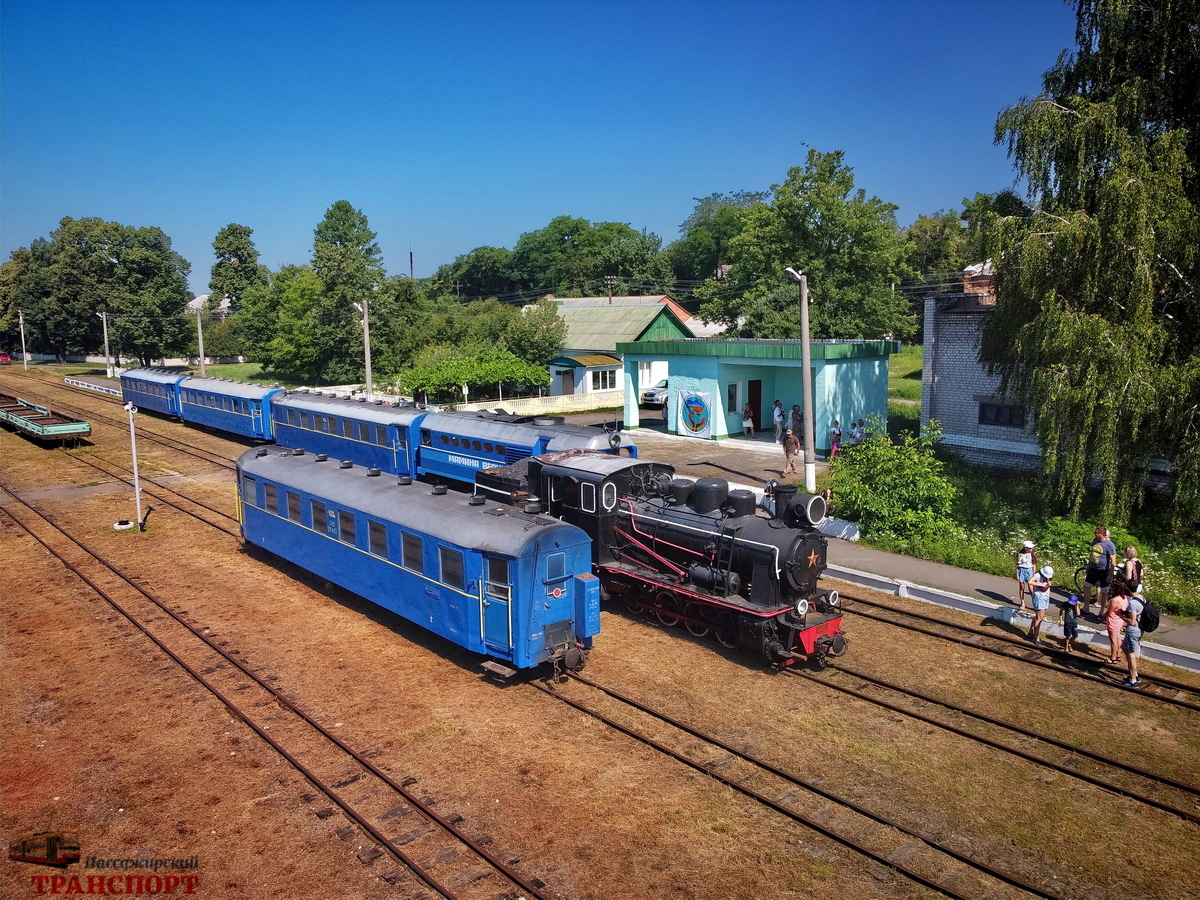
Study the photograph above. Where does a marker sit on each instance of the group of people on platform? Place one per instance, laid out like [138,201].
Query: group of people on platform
[789,426]
[1118,595]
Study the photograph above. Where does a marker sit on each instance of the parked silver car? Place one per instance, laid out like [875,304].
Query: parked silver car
[655,396]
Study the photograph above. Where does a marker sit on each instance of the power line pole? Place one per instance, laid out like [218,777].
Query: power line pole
[608,280]
[108,369]
[200,337]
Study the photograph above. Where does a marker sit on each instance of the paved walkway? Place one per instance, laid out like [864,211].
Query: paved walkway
[755,461]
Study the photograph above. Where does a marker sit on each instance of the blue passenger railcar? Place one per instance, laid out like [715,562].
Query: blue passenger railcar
[459,444]
[235,406]
[371,434]
[154,389]
[498,580]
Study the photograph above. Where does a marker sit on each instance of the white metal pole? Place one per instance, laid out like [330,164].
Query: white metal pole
[810,453]
[137,484]
[24,355]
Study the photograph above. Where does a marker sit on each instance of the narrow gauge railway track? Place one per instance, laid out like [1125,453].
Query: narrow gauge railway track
[143,433]
[1184,799]
[436,853]
[143,479]
[1156,687]
[933,864]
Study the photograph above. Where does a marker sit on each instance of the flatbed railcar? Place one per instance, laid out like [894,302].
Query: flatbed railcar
[53,848]
[512,585]
[395,438]
[693,552]
[39,422]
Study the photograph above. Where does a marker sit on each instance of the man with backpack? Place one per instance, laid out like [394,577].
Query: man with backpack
[1102,563]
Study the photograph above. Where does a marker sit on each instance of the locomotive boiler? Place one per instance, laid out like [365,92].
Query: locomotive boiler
[693,553]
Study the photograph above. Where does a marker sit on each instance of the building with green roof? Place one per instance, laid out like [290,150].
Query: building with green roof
[711,380]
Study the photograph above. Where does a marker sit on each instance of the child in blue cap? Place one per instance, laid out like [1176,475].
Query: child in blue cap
[1069,620]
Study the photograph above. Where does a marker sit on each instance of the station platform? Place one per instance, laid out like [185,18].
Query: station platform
[753,462]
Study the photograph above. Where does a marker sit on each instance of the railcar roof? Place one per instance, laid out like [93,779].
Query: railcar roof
[492,527]
[155,376]
[328,405]
[228,388]
[603,464]
[488,428]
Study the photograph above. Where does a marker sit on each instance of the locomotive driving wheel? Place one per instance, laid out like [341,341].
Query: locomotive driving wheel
[664,602]
[698,628]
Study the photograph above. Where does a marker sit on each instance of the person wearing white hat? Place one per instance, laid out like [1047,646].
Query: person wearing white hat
[1040,585]
[1026,563]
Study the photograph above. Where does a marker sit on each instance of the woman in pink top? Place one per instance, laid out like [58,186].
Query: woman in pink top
[1114,621]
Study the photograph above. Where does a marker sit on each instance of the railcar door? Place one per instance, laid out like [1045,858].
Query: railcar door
[497,596]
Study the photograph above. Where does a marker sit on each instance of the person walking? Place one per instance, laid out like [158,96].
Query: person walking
[777,419]
[1131,644]
[791,446]
[1102,562]
[1069,620]
[797,420]
[1026,563]
[1040,585]
[747,421]
[835,439]
[1114,620]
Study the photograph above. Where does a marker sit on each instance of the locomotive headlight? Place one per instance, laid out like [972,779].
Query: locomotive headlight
[832,598]
[802,607]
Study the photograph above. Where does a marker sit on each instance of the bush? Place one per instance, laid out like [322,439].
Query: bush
[894,489]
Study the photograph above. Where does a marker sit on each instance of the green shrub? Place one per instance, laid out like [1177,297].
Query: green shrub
[893,488]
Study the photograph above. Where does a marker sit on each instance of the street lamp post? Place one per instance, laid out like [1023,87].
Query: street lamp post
[108,369]
[810,453]
[366,326]
[24,355]
[200,337]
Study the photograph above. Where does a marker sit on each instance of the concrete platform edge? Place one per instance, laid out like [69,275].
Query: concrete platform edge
[1170,656]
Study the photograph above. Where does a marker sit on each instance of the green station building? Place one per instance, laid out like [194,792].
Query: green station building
[711,380]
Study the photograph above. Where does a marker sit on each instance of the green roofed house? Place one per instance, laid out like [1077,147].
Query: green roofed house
[711,380]
[590,362]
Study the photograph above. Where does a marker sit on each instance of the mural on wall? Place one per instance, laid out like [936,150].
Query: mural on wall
[695,414]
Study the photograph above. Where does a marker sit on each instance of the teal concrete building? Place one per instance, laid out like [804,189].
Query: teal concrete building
[711,380]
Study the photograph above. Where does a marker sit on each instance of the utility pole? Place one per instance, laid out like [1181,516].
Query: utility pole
[410,265]
[200,337]
[810,453]
[366,344]
[24,355]
[137,484]
[608,280]
[458,289]
[108,369]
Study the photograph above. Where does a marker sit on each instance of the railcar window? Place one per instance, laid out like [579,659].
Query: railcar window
[303,419]
[589,497]
[413,552]
[570,493]
[556,567]
[249,490]
[487,447]
[453,440]
[345,526]
[272,498]
[377,537]
[364,432]
[323,424]
[319,522]
[293,503]
[497,578]
[348,428]
[291,417]
[444,438]
[475,445]
[452,567]
[381,436]
[500,449]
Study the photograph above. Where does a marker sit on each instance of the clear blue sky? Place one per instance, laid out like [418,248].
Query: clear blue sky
[459,124]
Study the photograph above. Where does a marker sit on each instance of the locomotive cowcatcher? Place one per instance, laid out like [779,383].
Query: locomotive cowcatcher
[693,552]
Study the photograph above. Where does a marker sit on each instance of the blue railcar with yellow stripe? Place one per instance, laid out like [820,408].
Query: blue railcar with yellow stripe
[503,581]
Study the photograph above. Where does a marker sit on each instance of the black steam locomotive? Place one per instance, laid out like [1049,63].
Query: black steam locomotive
[692,552]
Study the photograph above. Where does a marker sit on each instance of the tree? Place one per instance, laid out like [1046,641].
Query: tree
[349,264]
[444,369]
[703,247]
[537,334]
[237,269]
[484,272]
[571,257]
[935,244]
[847,244]
[90,266]
[1097,326]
